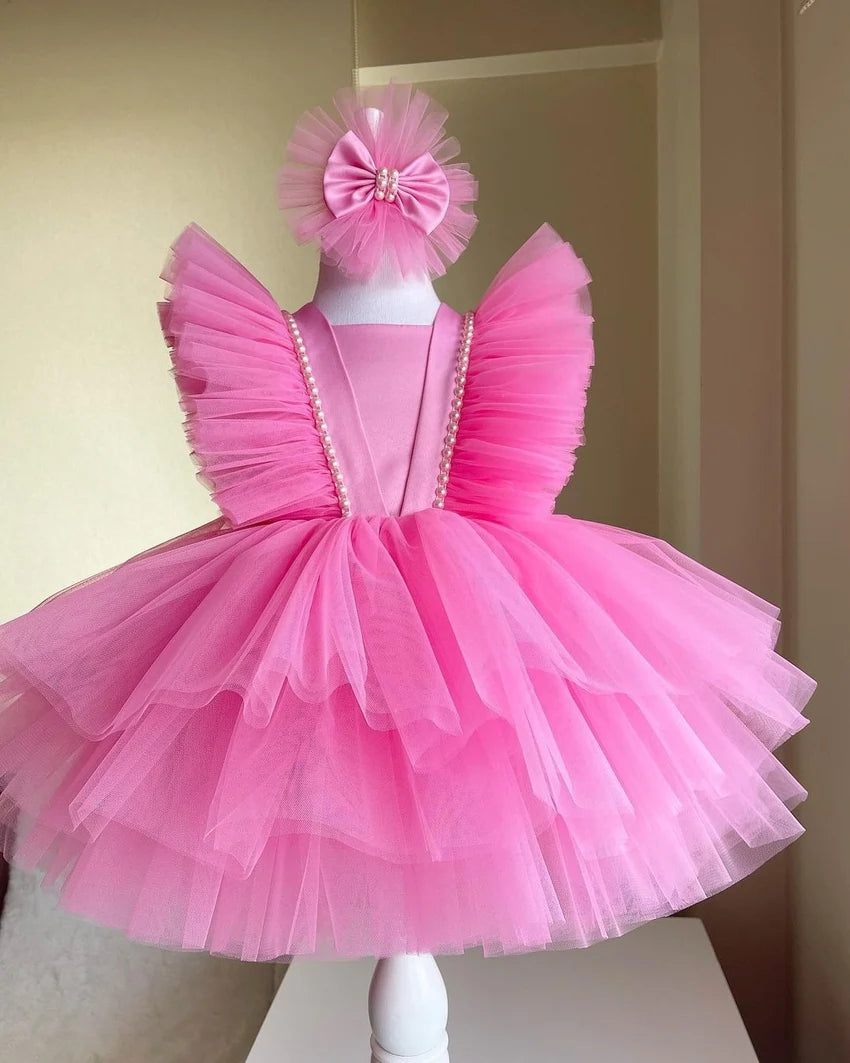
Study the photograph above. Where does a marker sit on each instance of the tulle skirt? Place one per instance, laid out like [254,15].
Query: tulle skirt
[380,734]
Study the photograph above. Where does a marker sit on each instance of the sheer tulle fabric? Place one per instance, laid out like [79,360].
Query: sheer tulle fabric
[289,732]
[379,233]
[248,419]
[293,738]
[523,408]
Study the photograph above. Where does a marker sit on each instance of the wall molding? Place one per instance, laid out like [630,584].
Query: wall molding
[642,53]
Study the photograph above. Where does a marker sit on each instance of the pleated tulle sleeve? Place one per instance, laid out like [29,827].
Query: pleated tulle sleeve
[523,407]
[248,419]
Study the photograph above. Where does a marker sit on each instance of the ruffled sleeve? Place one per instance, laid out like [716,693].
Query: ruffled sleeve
[523,408]
[248,419]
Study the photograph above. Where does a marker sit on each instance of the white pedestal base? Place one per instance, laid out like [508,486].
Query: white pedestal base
[408,1009]
[655,996]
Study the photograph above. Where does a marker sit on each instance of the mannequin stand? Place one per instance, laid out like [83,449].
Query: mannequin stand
[408,1009]
[655,996]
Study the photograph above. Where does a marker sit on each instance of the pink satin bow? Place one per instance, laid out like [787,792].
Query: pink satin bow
[349,183]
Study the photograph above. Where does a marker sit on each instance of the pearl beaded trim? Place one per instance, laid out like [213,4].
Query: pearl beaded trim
[454,413]
[386,184]
[319,414]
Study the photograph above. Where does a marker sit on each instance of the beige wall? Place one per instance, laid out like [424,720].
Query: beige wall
[460,29]
[818,94]
[741,452]
[679,275]
[554,148]
[121,123]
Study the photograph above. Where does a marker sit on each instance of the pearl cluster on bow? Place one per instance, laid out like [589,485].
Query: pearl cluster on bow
[454,413]
[319,415]
[386,184]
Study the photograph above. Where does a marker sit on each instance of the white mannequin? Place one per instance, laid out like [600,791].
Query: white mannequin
[408,1006]
[383,299]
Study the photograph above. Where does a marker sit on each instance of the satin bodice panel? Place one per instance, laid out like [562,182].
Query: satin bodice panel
[386,366]
[386,392]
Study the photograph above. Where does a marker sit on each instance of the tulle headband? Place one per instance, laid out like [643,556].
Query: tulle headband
[375,184]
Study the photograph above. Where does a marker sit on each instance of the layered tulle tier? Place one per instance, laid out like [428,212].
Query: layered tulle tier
[377,735]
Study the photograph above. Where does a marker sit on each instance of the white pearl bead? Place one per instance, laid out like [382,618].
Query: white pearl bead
[458,390]
[318,416]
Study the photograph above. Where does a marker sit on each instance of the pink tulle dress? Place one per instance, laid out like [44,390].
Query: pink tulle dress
[387,701]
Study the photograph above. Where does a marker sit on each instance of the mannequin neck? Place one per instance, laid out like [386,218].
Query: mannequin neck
[384,298]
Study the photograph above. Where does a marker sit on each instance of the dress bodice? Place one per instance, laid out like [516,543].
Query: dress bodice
[277,430]
[371,466]
[386,365]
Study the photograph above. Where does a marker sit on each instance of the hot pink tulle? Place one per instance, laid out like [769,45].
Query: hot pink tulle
[248,420]
[526,387]
[288,732]
[379,735]
[411,123]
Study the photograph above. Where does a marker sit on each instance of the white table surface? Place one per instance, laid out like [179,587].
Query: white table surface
[656,995]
